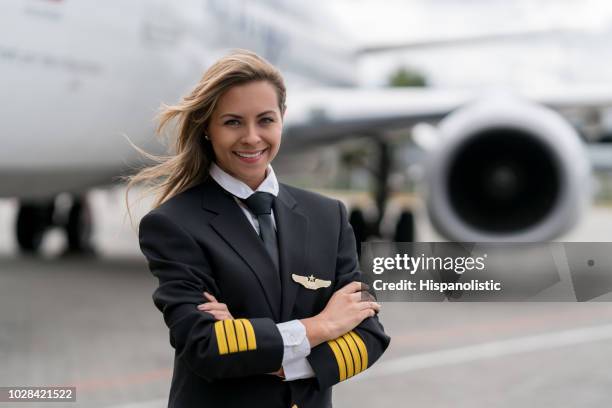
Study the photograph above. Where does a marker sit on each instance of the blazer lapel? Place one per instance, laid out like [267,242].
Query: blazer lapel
[232,225]
[292,227]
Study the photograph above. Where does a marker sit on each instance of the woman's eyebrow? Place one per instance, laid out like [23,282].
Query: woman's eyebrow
[235,115]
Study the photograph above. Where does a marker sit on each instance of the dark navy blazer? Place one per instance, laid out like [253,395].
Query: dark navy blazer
[200,240]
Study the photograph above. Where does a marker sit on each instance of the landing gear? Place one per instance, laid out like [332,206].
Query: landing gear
[360,228]
[78,227]
[34,219]
[404,230]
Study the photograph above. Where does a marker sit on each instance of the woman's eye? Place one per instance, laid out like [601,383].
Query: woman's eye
[232,122]
[267,120]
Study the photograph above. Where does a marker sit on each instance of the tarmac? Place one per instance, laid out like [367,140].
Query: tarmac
[90,322]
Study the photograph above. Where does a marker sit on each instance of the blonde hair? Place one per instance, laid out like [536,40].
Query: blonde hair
[192,155]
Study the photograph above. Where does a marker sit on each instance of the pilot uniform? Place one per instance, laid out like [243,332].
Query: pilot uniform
[203,239]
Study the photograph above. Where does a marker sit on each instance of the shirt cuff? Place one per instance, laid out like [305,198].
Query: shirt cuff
[295,350]
[298,369]
[295,342]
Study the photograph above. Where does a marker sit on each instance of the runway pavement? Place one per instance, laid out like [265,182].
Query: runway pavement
[91,323]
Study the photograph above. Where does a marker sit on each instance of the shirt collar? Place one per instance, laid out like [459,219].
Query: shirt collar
[239,188]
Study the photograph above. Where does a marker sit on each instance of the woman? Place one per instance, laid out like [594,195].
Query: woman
[258,281]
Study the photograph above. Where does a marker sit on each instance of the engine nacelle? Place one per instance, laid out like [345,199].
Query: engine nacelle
[506,170]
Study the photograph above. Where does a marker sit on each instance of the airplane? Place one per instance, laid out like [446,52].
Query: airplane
[79,77]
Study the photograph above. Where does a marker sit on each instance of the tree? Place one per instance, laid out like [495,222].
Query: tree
[405,76]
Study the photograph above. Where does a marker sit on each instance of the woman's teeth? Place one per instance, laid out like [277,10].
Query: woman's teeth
[249,155]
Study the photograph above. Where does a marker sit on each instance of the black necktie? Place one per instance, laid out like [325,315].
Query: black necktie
[260,204]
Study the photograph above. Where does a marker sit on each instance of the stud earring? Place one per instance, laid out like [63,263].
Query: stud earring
[206,137]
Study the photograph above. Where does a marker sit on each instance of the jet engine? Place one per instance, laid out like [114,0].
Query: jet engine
[506,170]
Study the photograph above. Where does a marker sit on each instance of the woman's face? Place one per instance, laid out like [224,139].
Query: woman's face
[245,131]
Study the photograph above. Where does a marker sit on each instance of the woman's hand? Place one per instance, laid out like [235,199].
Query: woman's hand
[279,373]
[218,310]
[343,312]
[221,312]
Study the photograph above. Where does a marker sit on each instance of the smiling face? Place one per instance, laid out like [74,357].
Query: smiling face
[245,131]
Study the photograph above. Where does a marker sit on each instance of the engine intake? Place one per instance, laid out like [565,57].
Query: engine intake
[506,170]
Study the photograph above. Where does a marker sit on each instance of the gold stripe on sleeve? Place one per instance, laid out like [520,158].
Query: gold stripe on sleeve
[240,333]
[362,349]
[230,333]
[354,352]
[350,370]
[250,334]
[220,332]
[339,359]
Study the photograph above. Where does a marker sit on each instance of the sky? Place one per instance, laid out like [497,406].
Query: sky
[581,55]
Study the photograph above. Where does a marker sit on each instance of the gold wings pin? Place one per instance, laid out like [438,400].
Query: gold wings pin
[310,282]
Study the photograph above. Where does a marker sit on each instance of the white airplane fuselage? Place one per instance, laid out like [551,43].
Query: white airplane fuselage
[76,77]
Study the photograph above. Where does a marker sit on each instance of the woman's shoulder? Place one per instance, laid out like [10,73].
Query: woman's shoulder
[179,207]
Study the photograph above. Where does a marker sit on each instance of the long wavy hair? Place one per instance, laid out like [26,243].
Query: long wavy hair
[190,163]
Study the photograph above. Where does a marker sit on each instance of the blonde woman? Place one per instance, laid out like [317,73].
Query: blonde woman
[258,281]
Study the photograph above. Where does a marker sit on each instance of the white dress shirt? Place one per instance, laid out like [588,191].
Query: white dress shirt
[295,343]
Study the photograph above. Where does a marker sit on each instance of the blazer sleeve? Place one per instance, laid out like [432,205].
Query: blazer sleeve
[341,358]
[212,349]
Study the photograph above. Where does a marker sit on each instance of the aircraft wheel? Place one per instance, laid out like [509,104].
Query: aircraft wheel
[360,227]
[79,226]
[32,222]
[404,229]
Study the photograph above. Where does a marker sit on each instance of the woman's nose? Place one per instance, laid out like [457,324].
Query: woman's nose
[251,135]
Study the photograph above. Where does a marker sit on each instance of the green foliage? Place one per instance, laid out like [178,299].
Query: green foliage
[404,76]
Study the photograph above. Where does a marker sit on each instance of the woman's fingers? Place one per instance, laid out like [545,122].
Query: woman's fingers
[355,286]
[367,313]
[356,297]
[210,297]
[221,315]
[369,305]
[367,296]
[362,296]
[212,306]
[218,310]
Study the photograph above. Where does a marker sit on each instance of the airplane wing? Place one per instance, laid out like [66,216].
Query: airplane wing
[481,38]
[326,116]
[330,115]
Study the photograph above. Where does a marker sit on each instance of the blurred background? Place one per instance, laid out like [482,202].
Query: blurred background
[431,120]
